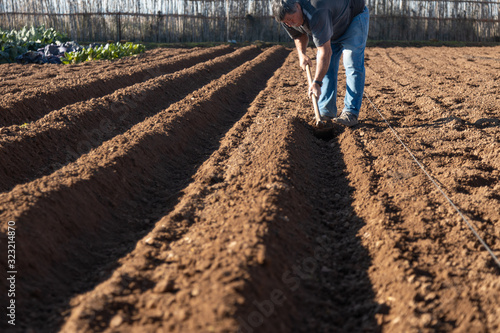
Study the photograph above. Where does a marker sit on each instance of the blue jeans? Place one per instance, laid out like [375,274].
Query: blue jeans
[352,45]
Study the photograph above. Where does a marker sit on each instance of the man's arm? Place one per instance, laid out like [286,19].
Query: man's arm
[301,45]
[323,57]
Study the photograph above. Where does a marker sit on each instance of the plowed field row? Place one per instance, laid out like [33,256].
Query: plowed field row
[32,98]
[115,184]
[87,124]
[445,108]
[184,191]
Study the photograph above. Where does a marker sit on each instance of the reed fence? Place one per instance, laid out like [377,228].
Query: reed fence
[244,20]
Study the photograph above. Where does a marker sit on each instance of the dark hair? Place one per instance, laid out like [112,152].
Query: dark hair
[283,7]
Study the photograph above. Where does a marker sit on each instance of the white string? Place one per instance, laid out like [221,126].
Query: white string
[437,186]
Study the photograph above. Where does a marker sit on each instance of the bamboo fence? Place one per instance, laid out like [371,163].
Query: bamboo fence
[243,20]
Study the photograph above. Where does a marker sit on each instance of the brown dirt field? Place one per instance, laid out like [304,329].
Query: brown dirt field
[185,191]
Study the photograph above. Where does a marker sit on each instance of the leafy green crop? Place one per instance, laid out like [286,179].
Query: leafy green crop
[14,43]
[102,52]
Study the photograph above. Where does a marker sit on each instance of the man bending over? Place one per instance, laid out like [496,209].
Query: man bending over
[338,27]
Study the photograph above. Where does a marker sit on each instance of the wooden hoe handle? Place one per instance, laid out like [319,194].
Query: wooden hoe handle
[315,100]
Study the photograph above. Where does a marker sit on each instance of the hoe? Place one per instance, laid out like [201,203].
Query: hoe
[322,129]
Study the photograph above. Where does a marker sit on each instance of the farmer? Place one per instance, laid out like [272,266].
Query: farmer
[337,27]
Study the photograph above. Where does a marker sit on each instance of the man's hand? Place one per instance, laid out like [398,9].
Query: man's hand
[304,60]
[314,89]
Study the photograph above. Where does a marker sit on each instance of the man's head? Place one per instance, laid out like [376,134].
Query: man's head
[288,12]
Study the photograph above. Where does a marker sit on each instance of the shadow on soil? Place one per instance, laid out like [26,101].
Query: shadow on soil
[315,275]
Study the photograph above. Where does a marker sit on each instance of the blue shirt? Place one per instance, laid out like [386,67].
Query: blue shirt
[326,20]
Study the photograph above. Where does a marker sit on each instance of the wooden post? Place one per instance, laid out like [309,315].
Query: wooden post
[158,23]
[119,26]
[227,19]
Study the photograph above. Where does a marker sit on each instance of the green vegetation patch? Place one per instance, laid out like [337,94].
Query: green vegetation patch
[103,52]
[46,45]
[14,43]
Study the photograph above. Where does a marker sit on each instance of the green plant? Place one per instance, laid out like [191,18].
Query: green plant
[14,43]
[103,52]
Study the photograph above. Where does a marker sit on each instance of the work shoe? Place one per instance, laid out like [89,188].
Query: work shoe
[347,119]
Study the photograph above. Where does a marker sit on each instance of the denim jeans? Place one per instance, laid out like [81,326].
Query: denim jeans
[352,45]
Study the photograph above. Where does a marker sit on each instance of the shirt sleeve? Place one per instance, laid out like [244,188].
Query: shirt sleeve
[321,27]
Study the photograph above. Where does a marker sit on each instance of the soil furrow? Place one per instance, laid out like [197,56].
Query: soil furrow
[62,136]
[422,234]
[30,105]
[427,242]
[17,77]
[465,61]
[32,76]
[208,222]
[465,78]
[422,83]
[444,127]
[270,232]
[111,189]
[219,211]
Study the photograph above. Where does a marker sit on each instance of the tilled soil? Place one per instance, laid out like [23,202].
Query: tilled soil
[186,191]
